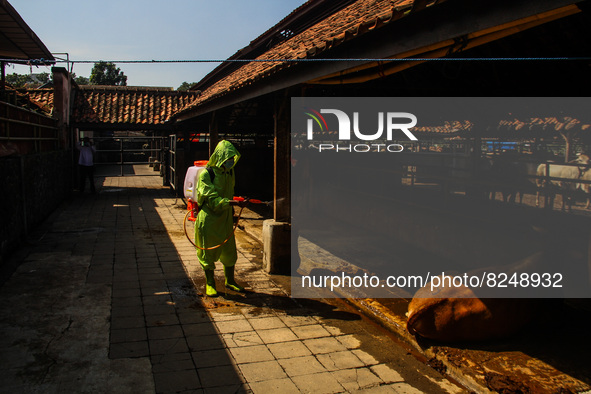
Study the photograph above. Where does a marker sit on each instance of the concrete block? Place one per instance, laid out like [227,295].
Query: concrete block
[267,323]
[165,332]
[129,349]
[319,383]
[267,370]
[277,335]
[404,388]
[296,320]
[284,386]
[365,357]
[340,360]
[276,247]
[356,379]
[324,345]
[212,358]
[176,381]
[289,349]
[233,326]
[238,339]
[206,342]
[251,354]
[128,335]
[219,376]
[169,319]
[172,362]
[310,331]
[168,346]
[387,374]
[199,329]
[301,366]
[349,341]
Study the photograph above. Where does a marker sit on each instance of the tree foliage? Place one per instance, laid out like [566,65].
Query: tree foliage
[30,81]
[80,80]
[107,73]
[17,80]
[185,86]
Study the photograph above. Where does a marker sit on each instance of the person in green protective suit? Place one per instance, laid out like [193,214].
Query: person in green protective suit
[214,225]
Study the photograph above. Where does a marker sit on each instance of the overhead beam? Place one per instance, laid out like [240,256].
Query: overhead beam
[376,70]
[282,154]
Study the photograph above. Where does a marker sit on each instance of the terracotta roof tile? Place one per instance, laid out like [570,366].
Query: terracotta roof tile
[130,105]
[353,20]
[40,100]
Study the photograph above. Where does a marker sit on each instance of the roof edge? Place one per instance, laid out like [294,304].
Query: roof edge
[23,25]
[306,15]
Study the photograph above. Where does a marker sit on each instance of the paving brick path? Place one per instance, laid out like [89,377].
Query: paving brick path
[108,298]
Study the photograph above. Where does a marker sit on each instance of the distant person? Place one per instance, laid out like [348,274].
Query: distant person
[214,235]
[86,163]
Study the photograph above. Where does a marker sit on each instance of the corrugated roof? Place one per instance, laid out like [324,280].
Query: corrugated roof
[128,104]
[352,21]
[17,40]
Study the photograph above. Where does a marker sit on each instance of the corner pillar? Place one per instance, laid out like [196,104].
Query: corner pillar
[277,231]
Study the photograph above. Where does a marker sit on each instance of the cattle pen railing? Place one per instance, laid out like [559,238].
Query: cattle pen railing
[23,131]
[459,173]
[125,151]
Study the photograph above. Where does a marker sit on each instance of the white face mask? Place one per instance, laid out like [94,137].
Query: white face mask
[229,163]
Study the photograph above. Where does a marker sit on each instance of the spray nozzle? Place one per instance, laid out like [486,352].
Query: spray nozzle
[252,200]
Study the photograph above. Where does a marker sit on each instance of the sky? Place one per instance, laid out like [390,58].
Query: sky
[112,30]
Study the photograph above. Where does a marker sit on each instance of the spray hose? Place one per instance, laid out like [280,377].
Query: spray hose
[190,216]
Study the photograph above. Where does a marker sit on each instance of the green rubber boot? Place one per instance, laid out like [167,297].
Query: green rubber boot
[230,282]
[210,290]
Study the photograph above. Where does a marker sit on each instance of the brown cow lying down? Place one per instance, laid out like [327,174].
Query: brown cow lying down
[458,314]
[467,319]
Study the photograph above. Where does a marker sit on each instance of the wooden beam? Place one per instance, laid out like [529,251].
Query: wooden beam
[282,166]
[2,78]
[213,132]
[441,49]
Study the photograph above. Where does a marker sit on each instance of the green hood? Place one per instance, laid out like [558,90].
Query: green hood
[223,151]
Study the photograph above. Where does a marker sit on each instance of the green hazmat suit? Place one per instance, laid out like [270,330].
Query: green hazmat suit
[215,219]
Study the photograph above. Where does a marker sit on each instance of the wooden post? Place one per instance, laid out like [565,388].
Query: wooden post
[277,232]
[61,103]
[213,132]
[282,167]
[589,261]
[2,80]
[547,188]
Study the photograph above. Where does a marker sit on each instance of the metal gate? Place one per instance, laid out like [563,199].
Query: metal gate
[128,155]
[172,164]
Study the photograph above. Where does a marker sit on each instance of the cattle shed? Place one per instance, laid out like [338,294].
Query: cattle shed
[357,49]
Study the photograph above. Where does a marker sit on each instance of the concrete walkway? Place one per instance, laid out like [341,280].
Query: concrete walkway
[108,297]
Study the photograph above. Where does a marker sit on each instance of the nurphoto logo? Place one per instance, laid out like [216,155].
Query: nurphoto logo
[389,122]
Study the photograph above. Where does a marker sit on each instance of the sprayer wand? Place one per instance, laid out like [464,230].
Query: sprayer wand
[191,217]
[252,201]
